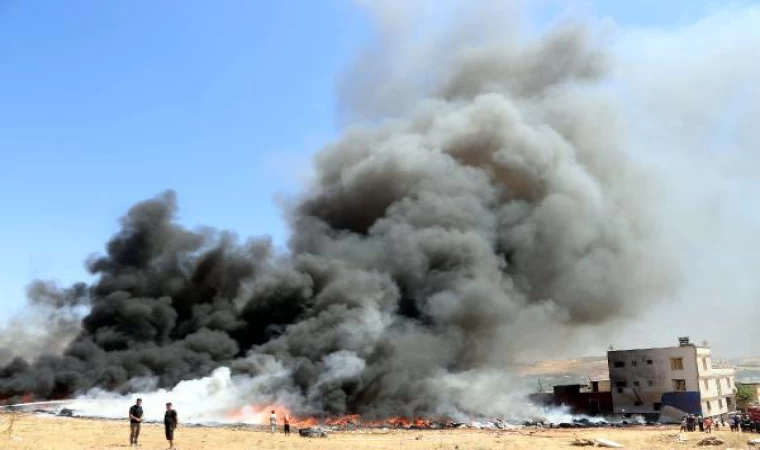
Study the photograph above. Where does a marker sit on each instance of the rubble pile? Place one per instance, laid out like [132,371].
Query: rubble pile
[587,423]
[711,441]
[598,442]
[313,432]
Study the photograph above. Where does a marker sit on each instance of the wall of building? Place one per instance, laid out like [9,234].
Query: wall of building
[716,385]
[577,400]
[646,381]
[598,386]
[640,377]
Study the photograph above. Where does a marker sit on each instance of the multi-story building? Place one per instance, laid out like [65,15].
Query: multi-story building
[670,382]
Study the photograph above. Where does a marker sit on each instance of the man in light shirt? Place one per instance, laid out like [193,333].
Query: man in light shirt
[273,422]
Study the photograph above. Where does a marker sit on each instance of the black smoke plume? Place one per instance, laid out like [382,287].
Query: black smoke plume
[495,215]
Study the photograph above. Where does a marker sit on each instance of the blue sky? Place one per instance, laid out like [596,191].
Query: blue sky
[106,103]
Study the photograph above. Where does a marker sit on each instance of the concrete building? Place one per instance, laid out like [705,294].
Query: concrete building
[670,382]
[598,385]
[593,399]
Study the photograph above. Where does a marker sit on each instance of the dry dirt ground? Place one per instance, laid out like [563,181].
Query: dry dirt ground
[28,432]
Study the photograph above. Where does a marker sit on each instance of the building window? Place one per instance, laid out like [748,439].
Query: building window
[704,363]
[649,362]
[720,403]
[679,385]
[635,384]
[676,363]
[650,383]
[709,406]
[633,363]
[729,403]
[657,406]
[619,364]
[707,385]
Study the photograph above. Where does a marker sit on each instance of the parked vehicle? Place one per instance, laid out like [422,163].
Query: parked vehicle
[752,421]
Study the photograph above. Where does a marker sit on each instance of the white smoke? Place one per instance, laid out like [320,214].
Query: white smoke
[690,102]
[217,399]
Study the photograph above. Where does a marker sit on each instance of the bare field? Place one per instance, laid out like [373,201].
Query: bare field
[29,432]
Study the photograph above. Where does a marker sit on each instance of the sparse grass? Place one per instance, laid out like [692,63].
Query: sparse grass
[10,417]
[30,432]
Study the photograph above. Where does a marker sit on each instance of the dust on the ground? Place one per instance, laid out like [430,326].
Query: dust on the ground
[32,432]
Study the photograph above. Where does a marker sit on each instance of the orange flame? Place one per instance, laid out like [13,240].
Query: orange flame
[260,414]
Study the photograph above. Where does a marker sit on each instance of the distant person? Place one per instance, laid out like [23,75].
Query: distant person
[170,424]
[690,423]
[273,422]
[701,424]
[286,424]
[684,424]
[135,419]
[708,424]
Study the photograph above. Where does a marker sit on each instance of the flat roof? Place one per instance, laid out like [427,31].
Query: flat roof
[672,347]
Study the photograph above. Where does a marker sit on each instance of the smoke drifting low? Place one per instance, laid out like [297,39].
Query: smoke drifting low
[49,323]
[496,215]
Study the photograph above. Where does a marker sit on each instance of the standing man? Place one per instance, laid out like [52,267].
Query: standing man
[170,424]
[135,419]
[273,422]
[286,424]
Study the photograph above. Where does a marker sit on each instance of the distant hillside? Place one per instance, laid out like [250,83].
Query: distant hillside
[580,370]
[569,371]
[594,367]
[747,369]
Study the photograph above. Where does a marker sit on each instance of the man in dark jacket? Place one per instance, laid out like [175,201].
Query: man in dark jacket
[170,424]
[691,422]
[135,419]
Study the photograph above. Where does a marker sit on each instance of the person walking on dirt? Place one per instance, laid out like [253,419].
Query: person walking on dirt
[273,422]
[286,424]
[135,419]
[170,424]
[708,424]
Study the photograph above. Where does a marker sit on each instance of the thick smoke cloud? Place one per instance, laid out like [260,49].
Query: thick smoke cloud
[49,323]
[496,211]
